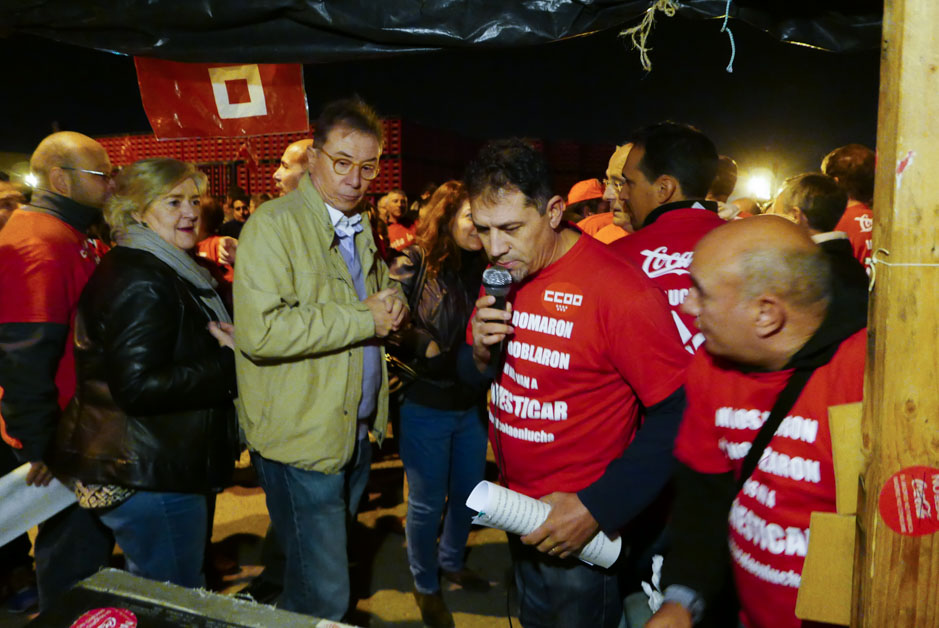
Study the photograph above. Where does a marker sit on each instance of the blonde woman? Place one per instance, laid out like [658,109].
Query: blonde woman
[151,429]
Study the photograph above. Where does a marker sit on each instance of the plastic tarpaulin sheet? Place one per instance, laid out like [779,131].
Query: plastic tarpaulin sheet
[316,31]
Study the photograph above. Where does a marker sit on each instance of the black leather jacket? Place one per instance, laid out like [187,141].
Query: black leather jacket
[153,401]
[441,313]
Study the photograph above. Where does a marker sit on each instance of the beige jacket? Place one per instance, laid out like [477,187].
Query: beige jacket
[298,329]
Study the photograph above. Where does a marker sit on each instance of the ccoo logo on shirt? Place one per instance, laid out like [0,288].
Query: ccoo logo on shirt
[562,298]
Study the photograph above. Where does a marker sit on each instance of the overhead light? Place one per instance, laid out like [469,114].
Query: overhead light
[31,180]
[760,184]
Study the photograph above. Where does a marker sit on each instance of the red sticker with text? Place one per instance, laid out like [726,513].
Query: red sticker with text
[106,618]
[909,501]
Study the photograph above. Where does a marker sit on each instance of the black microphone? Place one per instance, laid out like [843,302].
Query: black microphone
[497,282]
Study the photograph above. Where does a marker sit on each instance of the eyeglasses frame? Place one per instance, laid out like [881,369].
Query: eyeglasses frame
[617,185]
[106,175]
[355,164]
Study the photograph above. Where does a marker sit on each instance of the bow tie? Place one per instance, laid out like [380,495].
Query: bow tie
[347,227]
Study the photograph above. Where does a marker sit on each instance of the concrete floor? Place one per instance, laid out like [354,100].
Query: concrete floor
[381,579]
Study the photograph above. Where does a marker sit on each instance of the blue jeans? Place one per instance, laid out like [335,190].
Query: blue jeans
[310,512]
[563,593]
[444,456]
[163,535]
[70,546]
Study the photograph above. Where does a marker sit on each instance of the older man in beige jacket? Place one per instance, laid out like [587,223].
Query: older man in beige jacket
[312,298]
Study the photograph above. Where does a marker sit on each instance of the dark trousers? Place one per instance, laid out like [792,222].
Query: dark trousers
[563,593]
[273,559]
[70,546]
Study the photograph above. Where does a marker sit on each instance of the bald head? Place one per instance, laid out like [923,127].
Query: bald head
[770,255]
[762,288]
[615,166]
[762,233]
[73,165]
[65,148]
[292,165]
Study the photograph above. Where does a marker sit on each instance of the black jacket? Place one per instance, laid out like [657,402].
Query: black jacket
[153,403]
[849,272]
[440,313]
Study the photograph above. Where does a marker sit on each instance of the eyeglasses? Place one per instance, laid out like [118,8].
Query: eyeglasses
[616,184]
[106,175]
[343,166]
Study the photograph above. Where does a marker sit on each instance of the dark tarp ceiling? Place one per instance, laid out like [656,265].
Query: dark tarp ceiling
[317,31]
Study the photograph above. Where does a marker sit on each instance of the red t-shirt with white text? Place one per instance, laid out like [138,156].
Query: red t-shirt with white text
[858,222]
[400,237]
[664,252]
[769,519]
[592,339]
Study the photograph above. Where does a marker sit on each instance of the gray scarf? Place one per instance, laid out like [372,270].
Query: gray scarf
[143,238]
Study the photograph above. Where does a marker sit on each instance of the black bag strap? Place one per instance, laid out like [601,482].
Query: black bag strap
[784,402]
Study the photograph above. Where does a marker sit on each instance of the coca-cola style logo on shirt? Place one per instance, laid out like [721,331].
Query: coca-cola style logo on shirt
[660,262]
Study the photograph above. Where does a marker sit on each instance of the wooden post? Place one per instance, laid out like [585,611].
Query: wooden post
[896,580]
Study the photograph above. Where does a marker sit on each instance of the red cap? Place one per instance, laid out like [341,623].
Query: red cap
[585,191]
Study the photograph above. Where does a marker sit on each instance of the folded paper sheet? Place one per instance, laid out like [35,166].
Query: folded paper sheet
[22,506]
[501,508]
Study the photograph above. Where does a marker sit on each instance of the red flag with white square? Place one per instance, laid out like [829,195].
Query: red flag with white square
[222,99]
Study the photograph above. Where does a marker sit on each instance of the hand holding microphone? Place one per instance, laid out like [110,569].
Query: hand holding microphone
[490,323]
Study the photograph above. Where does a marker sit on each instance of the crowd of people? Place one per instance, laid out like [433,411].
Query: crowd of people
[660,370]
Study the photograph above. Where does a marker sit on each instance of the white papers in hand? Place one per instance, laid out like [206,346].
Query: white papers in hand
[505,509]
[22,506]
